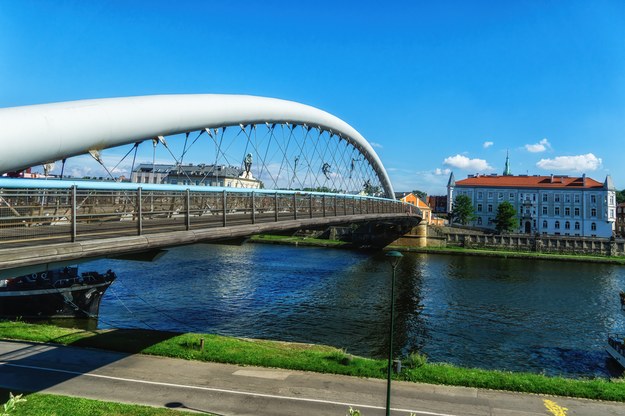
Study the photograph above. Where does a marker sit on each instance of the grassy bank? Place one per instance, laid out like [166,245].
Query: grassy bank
[298,241]
[512,254]
[53,405]
[307,358]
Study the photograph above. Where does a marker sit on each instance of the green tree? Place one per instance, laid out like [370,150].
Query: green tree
[420,194]
[620,196]
[505,220]
[462,210]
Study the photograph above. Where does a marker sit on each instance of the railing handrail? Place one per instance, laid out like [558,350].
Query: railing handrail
[23,183]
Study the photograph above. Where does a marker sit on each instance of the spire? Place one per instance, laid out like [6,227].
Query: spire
[506,170]
[452,180]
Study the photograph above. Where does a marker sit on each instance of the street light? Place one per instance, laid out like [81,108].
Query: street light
[393,257]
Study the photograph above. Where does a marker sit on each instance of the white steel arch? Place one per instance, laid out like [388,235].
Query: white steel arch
[37,134]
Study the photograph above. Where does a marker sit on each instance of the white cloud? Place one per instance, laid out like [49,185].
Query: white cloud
[376,145]
[439,171]
[463,162]
[541,146]
[487,144]
[580,163]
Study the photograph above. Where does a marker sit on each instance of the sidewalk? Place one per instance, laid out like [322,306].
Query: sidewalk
[235,390]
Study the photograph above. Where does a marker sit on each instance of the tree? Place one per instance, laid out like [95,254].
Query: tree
[462,210]
[505,220]
[620,196]
[420,194]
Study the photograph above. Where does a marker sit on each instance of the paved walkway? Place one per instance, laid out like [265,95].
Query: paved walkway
[235,390]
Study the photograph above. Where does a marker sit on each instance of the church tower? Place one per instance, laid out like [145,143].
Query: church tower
[506,170]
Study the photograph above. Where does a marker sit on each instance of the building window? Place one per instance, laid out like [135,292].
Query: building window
[490,208]
[500,196]
[611,212]
[544,210]
[490,195]
[556,211]
[556,198]
[577,225]
[567,197]
[576,198]
[593,199]
[544,197]
[479,207]
[593,226]
[511,196]
[567,211]
[479,195]
[567,225]
[544,224]
[593,212]
[479,220]
[611,199]
[557,225]
[576,212]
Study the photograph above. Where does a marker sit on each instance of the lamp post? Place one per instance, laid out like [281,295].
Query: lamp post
[393,257]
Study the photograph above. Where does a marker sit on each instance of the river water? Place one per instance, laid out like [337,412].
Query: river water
[530,315]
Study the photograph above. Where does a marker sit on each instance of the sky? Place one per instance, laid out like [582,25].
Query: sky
[435,87]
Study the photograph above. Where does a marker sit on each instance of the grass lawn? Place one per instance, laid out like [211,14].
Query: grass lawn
[306,357]
[52,405]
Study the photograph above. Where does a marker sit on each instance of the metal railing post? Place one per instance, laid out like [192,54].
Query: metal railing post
[275,205]
[360,205]
[294,206]
[139,211]
[224,205]
[310,204]
[323,201]
[253,208]
[74,225]
[344,205]
[335,205]
[188,214]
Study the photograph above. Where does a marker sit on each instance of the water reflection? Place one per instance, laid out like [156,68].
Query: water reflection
[538,316]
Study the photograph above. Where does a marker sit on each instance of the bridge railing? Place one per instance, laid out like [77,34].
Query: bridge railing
[55,214]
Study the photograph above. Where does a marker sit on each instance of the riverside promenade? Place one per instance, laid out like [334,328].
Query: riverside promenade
[236,390]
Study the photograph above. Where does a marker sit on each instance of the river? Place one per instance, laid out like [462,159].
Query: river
[522,315]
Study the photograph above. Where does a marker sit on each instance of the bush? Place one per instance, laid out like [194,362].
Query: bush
[415,360]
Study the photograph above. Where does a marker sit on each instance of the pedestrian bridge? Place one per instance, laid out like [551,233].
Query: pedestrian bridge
[307,169]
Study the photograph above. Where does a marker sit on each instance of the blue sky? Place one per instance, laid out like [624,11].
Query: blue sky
[435,86]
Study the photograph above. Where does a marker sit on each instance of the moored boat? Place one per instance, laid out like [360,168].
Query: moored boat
[59,293]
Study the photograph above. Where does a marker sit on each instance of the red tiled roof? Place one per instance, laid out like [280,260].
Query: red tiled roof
[558,182]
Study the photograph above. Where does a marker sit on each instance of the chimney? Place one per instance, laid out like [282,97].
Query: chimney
[584,180]
[552,178]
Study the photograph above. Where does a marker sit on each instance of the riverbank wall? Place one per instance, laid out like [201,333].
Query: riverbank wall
[440,237]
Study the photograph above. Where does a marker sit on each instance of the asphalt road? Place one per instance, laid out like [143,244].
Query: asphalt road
[235,390]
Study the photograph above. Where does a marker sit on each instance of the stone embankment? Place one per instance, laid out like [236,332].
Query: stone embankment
[429,236]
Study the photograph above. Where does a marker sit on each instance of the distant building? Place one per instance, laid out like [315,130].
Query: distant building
[411,198]
[555,205]
[620,219]
[438,203]
[198,175]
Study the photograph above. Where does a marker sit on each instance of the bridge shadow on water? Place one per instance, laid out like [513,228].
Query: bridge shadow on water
[51,367]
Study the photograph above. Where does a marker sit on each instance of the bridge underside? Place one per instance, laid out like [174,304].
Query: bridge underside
[21,260]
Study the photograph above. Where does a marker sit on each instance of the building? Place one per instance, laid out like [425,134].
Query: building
[554,205]
[199,175]
[411,198]
[620,220]
[438,203]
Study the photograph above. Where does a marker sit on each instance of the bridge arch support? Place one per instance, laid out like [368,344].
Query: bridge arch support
[32,135]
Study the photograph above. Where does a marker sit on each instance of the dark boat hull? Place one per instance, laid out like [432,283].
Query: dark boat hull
[74,297]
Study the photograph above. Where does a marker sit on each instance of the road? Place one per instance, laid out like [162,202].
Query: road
[235,390]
